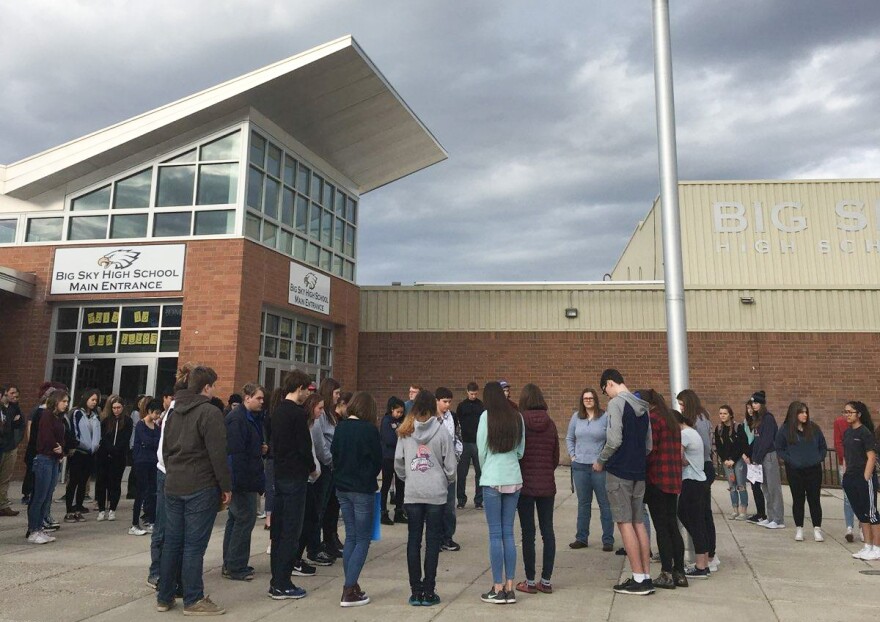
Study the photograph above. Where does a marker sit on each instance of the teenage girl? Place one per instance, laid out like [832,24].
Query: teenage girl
[730,445]
[860,480]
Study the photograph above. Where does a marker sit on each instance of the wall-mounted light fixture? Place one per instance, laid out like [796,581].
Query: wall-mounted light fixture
[747,300]
[571,313]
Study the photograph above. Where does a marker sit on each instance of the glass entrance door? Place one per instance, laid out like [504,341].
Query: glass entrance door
[134,377]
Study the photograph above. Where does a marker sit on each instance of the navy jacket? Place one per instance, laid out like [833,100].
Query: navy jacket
[388,432]
[244,441]
[146,444]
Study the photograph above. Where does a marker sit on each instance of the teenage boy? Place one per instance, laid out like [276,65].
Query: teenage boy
[196,481]
[11,433]
[467,418]
[294,464]
[624,457]
[244,448]
[413,392]
[505,386]
[444,414]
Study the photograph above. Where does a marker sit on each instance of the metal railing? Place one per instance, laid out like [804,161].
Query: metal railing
[830,474]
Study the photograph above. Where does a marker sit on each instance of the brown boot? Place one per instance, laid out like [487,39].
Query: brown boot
[352,597]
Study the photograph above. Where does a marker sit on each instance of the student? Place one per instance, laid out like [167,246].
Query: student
[413,392]
[758,495]
[335,405]
[197,481]
[467,418]
[144,459]
[311,530]
[388,431]
[244,454]
[501,443]
[539,461]
[691,406]
[357,458]
[584,440]
[294,465]
[322,430]
[860,479]
[801,445]
[663,478]
[86,426]
[111,457]
[764,453]
[49,452]
[425,459]
[625,458]
[840,428]
[11,433]
[444,414]
[692,502]
[731,444]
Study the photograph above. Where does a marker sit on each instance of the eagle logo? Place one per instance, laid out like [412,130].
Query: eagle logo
[310,280]
[120,258]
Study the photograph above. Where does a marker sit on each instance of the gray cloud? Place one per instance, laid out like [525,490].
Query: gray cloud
[548,115]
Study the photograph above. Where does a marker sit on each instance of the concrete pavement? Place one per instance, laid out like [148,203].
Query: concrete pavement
[95,571]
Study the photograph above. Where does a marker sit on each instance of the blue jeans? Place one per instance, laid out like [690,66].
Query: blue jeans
[287,521]
[500,510]
[848,516]
[736,484]
[428,518]
[45,477]
[189,520]
[588,482]
[240,520]
[157,539]
[449,519]
[357,510]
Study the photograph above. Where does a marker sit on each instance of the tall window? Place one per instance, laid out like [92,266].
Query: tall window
[294,209]
[289,342]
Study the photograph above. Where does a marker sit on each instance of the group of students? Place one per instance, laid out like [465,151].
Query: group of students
[309,447]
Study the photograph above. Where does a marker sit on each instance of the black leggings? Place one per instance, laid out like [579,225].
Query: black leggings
[664,507]
[692,513]
[709,470]
[805,485]
[108,480]
[388,476]
[526,507]
[760,506]
[79,468]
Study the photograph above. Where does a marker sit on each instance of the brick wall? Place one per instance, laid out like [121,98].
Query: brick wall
[823,370]
[226,285]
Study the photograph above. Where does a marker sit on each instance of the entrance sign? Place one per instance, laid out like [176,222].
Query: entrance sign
[309,288]
[110,269]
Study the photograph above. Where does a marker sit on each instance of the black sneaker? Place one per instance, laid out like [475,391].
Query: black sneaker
[302,569]
[332,551]
[70,517]
[460,505]
[478,506]
[620,551]
[292,593]
[430,599]
[450,545]
[496,598]
[754,518]
[386,519]
[697,573]
[510,597]
[415,600]
[321,559]
[635,588]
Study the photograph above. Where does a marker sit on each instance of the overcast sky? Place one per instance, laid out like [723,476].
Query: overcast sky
[546,109]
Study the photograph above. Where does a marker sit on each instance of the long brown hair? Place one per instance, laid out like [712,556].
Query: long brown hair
[658,404]
[107,417]
[692,409]
[791,422]
[309,405]
[325,390]
[531,398]
[582,410]
[504,425]
[424,404]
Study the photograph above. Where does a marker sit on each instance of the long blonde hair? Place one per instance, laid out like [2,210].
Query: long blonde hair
[425,404]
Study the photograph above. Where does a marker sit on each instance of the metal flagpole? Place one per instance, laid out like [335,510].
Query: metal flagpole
[676,325]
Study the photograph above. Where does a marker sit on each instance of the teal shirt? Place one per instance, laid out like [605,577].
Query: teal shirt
[499,469]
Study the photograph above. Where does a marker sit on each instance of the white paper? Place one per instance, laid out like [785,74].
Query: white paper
[755,473]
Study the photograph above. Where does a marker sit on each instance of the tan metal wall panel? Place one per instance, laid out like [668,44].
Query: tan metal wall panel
[823,253]
[614,307]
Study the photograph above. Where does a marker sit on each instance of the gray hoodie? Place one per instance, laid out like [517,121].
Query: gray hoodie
[426,461]
[614,441]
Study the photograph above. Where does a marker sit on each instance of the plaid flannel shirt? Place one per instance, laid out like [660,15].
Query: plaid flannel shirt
[664,461]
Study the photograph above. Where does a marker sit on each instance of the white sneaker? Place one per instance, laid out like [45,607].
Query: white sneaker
[111,515]
[148,528]
[38,537]
[872,555]
[48,536]
[849,534]
[864,549]
[763,522]
[817,534]
[134,530]
[734,516]
[799,534]
[714,563]
[741,517]
[102,516]
[774,525]
[269,549]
